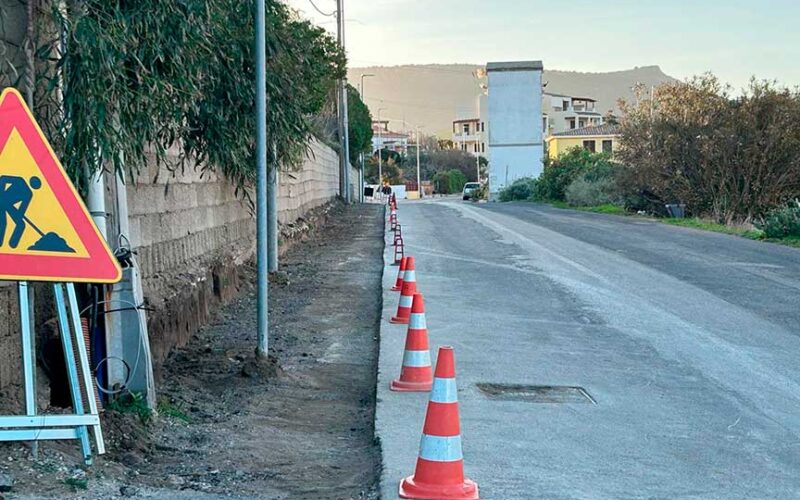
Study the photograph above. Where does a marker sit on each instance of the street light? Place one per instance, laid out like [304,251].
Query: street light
[363,99]
[361,88]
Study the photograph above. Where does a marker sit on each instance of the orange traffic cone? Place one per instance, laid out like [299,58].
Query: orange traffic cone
[440,466]
[406,293]
[398,284]
[416,374]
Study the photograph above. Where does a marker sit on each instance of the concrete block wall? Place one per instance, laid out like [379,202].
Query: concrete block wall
[314,184]
[191,234]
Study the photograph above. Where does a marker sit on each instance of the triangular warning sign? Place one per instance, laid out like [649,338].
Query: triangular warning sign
[46,233]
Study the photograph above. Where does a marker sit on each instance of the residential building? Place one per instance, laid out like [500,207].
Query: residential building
[600,138]
[563,112]
[384,138]
[515,119]
[469,135]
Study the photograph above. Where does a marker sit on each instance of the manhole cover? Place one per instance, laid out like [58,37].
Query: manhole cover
[555,394]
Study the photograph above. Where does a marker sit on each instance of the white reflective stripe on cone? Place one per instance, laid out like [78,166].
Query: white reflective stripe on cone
[417,359]
[410,276]
[440,449]
[405,300]
[417,321]
[444,390]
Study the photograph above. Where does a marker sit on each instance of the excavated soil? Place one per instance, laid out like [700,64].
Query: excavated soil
[298,425]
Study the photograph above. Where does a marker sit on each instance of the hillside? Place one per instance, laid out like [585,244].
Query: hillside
[434,95]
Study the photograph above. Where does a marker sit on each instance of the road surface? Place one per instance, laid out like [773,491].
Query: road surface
[687,343]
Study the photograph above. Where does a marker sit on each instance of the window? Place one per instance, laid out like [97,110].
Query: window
[607,146]
[566,105]
[475,148]
[571,123]
[483,147]
[589,146]
[482,127]
[581,123]
[465,128]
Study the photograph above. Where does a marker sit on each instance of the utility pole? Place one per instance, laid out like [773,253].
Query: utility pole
[380,147]
[261,185]
[478,160]
[362,175]
[344,133]
[419,184]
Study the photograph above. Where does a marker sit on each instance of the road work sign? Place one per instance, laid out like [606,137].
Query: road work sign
[46,233]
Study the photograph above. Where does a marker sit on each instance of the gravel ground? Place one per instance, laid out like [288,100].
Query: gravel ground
[297,426]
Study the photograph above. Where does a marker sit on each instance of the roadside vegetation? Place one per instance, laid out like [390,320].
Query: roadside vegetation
[733,162]
[174,82]
[445,167]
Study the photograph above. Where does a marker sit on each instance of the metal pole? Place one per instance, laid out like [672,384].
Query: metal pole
[272,212]
[380,147]
[419,184]
[344,133]
[478,163]
[361,179]
[261,185]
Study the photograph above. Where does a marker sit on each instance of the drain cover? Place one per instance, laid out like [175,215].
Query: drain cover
[555,394]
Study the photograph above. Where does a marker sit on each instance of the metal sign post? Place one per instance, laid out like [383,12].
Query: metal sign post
[34,427]
[48,235]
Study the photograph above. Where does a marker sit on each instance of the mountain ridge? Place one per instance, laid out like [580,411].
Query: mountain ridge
[433,95]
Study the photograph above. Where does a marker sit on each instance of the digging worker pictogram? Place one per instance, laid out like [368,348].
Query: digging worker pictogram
[15,198]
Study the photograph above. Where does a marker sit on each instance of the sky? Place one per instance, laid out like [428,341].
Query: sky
[734,39]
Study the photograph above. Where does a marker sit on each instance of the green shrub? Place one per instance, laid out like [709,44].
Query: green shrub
[520,189]
[782,222]
[457,180]
[584,192]
[558,174]
[441,182]
[449,182]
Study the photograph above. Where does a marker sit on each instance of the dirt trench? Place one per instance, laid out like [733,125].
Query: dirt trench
[298,426]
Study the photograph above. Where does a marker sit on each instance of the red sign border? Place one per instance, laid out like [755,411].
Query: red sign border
[100,266]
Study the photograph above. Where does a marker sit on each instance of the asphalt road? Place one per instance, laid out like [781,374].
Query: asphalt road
[687,342]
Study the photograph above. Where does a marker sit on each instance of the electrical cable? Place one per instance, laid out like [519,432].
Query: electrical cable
[130,371]
[320,11]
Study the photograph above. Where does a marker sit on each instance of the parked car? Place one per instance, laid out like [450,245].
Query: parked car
[469,190]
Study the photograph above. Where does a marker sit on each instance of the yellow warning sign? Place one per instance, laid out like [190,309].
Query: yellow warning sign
[46,232]
[34,221]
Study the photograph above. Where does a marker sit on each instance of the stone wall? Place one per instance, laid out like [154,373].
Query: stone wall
[191,234]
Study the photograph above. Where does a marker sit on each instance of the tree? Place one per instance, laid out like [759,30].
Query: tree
[360,126]
[732,159]
[141,80]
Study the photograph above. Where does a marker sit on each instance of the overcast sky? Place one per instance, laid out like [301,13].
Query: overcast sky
[733,38]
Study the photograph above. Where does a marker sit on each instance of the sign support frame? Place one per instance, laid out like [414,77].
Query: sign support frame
[34,427]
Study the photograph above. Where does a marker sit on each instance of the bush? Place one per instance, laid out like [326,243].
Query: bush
[782,222]
[449,182]
[729,156]
[560,173]
[520,189]
[589,193]
[457,180]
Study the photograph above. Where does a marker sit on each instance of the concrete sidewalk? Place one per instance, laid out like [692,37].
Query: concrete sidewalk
[696,397]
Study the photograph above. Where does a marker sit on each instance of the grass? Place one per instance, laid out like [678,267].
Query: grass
[167,409]
[77,484]
[132,403]
[753,234]
[608,208]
